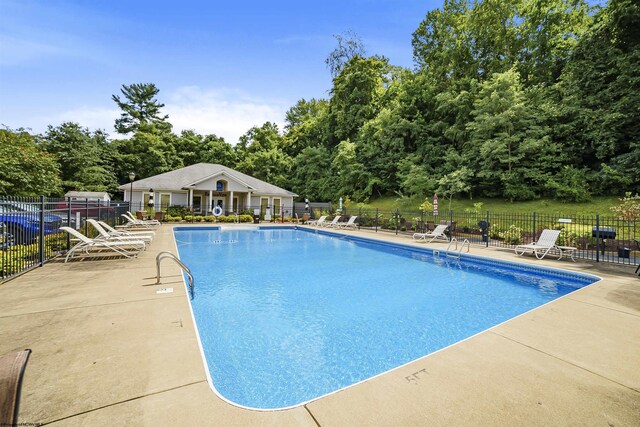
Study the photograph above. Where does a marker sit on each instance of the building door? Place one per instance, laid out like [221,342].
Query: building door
[197,204]
[276,207]
[165,201]
[264,203]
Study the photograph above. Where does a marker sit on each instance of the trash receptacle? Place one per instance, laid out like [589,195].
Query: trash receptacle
[256,216]
[484,229]
[624,252]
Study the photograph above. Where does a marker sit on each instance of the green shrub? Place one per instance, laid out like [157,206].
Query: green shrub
[177,210]
[511,236]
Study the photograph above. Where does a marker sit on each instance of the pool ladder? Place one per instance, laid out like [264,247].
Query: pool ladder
[459,252]
[166,254]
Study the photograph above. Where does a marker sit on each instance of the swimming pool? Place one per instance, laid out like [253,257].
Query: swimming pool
[287,315]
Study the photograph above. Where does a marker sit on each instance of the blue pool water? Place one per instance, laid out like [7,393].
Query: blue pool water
[286,315]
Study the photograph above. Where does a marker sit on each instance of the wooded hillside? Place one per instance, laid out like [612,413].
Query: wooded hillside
[516,99]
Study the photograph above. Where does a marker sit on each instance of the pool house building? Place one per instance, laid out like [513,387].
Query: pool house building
[208,188]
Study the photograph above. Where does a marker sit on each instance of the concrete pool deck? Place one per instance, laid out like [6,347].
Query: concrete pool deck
[108,350]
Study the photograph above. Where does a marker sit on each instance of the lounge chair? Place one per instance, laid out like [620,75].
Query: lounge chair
[545,243]
[104,234]
[349,224]
[319,222]
[146,221]
[97,247]
[112,230]
[332,224]
[437,234]
[139,223]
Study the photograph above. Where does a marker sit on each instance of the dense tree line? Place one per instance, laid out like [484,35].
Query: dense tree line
[517,99]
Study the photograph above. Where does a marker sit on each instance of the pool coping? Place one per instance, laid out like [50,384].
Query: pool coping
[148,371]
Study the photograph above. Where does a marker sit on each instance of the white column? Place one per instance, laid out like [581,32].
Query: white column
[210,204]
[190,198]
[248,201]
[231,200]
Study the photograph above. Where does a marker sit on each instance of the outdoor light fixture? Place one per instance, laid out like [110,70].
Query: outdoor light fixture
[132,176]
[150,203]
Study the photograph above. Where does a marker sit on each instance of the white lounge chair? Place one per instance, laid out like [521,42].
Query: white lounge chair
[349,224]
[334,223]
[545,243]
[112,230]
[319,222]
[437,234]
[146,221]
[97,247]
[133,222]
[104,234]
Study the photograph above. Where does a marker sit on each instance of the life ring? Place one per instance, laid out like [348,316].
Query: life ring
[217,211]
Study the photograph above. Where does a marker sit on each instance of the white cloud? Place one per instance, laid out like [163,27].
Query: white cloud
[226,112]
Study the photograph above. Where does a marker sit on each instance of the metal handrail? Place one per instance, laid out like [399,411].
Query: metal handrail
[453,239]
[465,242]
[166,254]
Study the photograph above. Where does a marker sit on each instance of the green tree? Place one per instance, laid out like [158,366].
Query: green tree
[306,125]
[415,179]
[454,183]
[357,94]
[27,170]
[311,175]
[139,106]
[83,157]
[216,150]
[349,46]
[351,177]
[150,151]
[442,43]
[271,165]
[256,139]
[509,146]
[600,98]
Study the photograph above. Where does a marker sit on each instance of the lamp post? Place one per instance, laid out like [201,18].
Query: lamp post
[132,176]
[151,202]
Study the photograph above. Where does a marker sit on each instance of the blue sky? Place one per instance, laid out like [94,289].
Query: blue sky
[221,66]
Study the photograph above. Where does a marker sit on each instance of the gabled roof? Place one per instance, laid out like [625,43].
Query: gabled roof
[183,178]
[87,194]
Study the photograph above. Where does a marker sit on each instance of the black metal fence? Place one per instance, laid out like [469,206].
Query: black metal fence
[30,232]
[599,238]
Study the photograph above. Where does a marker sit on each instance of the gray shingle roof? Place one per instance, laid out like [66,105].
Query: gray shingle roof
[87,194]
[182,178]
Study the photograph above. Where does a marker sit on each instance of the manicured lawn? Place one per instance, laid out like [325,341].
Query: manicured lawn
[598,205]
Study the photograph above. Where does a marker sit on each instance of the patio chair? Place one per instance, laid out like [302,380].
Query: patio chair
[437,234]
[349,224]
[146,221]
[332,224]
[112,230]
[545,243]
[104,234]
[97,247]
[138,223]
[318,222]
